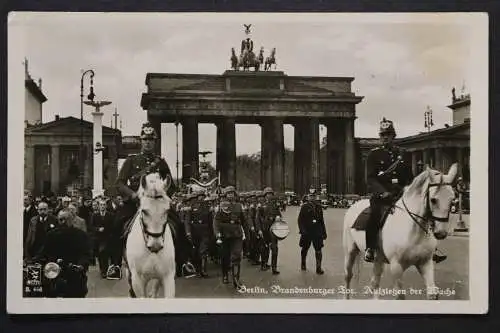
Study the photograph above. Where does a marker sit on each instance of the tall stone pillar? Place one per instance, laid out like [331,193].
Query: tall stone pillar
[460,161]
[97,188]
[277,143]
[190,157]
[350,167]
[54,168]
[335,144]
[314,139]
[302,157]
[414,162]
[266,152]
[425,157]
[112,171]
[29,168]
[438,159]
[226,151]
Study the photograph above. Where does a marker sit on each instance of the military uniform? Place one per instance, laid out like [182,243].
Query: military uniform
[312,230]
[198,226]
[266,215]
[388,171]
[229,222]
[127,183]
[253,236]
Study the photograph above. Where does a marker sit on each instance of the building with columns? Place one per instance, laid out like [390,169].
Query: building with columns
[52,156]
[269,99]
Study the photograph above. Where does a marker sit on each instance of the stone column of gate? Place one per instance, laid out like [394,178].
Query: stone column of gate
[29,168]
[226,151]
[277,144]
[189,148]
[302,156]
[350,161]
[335,143]
[314,146]
[266,150]
[425,158]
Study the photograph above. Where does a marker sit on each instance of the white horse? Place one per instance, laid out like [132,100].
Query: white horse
[410,233]
[150,253]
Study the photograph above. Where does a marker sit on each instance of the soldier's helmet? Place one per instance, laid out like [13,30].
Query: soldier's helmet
[387,127]
[229,189]
[259,194]
[148,131]
[268,190]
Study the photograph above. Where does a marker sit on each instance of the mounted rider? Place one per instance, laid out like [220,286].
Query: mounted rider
[388,174]
[127,183]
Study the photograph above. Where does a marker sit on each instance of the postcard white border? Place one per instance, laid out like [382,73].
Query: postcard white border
[478,275]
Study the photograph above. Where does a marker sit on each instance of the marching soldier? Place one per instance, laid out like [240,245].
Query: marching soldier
[229,224]
[312,230]
[253,242]
[198,224]
[266,215]
[127,184]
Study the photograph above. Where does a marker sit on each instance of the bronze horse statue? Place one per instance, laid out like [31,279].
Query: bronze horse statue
[270,60]
[247,59]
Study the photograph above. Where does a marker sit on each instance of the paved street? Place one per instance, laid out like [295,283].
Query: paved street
[452,273]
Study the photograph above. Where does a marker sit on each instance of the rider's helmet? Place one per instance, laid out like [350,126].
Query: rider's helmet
[387,127]
[148,131]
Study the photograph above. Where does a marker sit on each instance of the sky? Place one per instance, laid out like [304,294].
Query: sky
[399,66]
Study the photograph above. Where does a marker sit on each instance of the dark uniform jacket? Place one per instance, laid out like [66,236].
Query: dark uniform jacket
[229,222]
[102,238]
[198,217]
[37,234]
[134,167]
[266,214]
[378,161]
[252,213]
[311,222]
[69,244]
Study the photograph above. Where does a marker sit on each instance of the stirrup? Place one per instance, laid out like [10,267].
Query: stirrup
[369,255]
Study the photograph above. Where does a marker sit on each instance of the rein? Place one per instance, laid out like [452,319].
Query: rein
[428,212]
[146,232]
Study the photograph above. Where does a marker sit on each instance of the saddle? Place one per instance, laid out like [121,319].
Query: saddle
[361,222]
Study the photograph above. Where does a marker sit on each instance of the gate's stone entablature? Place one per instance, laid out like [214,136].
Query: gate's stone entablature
[270,99]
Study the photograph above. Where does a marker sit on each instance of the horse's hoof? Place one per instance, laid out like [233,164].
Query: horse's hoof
[433,297]
[400,297]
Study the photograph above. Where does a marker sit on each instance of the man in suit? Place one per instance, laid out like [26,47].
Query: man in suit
[102,227]
[29,211]
[40,225]
[76,221]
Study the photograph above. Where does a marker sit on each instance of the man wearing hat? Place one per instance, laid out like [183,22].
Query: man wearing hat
[229,222]
[312,230]
[127,183]
[266,215]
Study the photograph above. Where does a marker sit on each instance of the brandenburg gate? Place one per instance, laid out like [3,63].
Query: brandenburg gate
[269,99]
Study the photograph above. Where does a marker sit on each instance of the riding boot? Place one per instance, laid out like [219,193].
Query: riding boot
[319,258]
[371,233]
[203,272]
[225,275]
[235,272]
[303,258]
[274,262]
[264,258]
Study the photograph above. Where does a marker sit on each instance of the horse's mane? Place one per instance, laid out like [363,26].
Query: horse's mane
[426,176]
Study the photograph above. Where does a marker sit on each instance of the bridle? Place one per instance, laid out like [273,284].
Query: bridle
[146,232]
[428,215]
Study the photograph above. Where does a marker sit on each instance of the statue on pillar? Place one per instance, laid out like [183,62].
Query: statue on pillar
[270,60]
[247,57]
[453,96]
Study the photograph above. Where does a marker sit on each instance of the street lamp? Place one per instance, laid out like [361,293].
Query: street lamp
[98,147]
[90,97]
